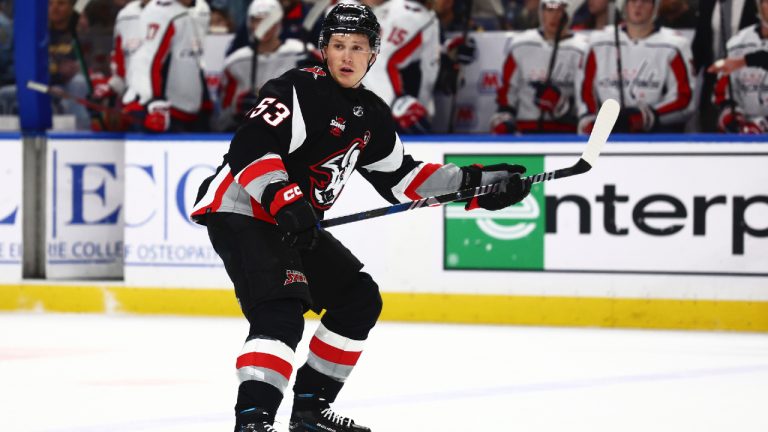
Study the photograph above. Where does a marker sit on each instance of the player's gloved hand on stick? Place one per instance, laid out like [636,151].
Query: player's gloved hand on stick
[510,192]
[101,88]
[636,119]
[730,119]
[547,96]
[465,50]
[410,116]
[503,122]
[158,117]
[294,215]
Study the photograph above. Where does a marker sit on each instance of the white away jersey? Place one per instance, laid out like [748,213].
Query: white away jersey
[526,64]
[167,65]
[657,71]
[750,84]
[126,40]
[409,58]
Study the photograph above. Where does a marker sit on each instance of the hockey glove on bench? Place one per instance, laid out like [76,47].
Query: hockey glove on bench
[510,193]
[294,215]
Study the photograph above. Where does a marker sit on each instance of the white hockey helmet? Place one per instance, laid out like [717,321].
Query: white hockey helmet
[570,8]
[270,13]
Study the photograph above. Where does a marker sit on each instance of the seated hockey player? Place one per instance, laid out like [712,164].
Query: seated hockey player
[165,83]
[742,96]
[656,86]
[243,75]
[537,91]
[288,163]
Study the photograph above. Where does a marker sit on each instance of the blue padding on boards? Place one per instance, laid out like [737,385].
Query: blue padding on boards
[30,50]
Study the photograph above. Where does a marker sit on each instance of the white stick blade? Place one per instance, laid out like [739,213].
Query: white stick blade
[36,86]
[604,122]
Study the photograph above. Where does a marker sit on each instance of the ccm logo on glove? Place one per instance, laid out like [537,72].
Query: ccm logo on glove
[292,193]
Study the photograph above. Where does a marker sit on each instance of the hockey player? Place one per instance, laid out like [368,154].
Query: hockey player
[126,40]
[166,85]
[274,57]
[656,85]
[404,75]
[285,167]
[742,97]
[537,91]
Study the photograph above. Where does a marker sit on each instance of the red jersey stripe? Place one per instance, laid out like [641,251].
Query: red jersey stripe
[333,354]
[159,60]
[509,69]
[426,171]
[218,197]
[587,89]
[229,90]
[260,168]
[721,89]
[269,361]
[118,57]
[397,58]
[683,88]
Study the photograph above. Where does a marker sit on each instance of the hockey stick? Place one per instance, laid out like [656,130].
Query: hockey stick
[56,91]
[606,118]
[552,59]
[619,67]
[459,75]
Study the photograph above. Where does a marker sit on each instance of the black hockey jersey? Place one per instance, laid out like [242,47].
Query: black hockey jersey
[309,130]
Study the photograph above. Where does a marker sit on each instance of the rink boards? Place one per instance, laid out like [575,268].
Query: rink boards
[660,234]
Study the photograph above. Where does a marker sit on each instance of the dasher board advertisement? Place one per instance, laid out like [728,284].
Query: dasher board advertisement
[674,213]
[10,210]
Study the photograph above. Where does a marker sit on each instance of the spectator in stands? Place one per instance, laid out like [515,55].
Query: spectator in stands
[166,87]
[64,63]
[221,21]
[488,15]
[523,14]
[532,97]
[243,78]
[742,96]
[7,77]
[592,15]
[677,14]
[655,84]
[6,47]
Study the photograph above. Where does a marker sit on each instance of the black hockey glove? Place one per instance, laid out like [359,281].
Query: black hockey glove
[294,215]
[510,193]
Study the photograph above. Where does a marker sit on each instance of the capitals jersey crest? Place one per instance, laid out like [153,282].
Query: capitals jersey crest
[329,176]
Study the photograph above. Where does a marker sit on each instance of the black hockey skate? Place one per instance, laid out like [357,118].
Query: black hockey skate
[254,421]
[322,418]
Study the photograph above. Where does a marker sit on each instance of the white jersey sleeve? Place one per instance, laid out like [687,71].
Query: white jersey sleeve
[410,42]
[126,40]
